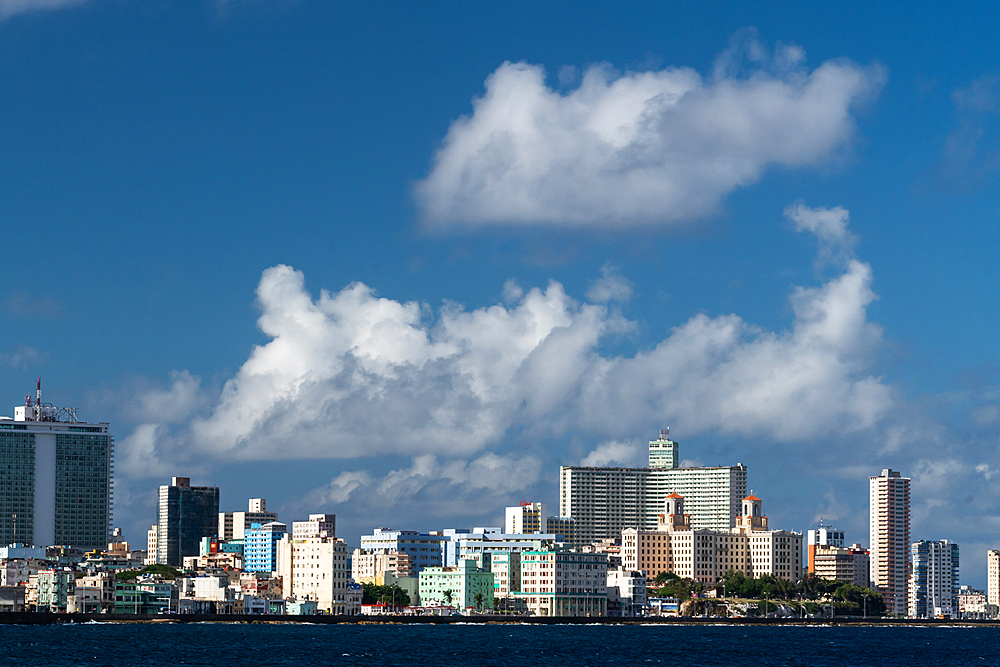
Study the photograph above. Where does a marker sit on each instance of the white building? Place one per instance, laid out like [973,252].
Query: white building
[151,536]
[993,577]
[605,501]
[889,537]
[233,525]
[933,586]
[424,550]
[313,567]
[626,592]
[563,583]
[847,564]
[370,567]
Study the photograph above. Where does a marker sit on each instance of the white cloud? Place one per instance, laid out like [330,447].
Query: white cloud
[614,452]
[638,148]
[21,357]
[354,375]
[830,227]
[611,286]
[9,8]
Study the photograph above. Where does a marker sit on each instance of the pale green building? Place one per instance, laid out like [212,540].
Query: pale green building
[465,581]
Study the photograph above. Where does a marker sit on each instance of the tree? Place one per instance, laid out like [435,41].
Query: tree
[479,601]
[448,596]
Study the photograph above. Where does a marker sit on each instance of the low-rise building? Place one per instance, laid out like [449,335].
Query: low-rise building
[458,585]
[564,583]
[370,567]
[847,564]
[54,588]
[424,549]
[626,592]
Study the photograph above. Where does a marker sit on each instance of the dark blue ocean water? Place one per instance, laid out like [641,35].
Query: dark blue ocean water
[152,645]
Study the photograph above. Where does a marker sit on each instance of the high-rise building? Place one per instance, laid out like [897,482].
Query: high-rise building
[185,515]
[56,473]
[993,577]
[889,537]
[312,564]
[527,517]
[934,580]
[604,501]
[233,525]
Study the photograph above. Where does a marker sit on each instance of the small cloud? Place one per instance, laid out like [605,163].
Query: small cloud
[512,292]
[970,156]
[9,8]
[22,357]
[610,287]
[985,470]
[615,452]
[27,307]
[836,243]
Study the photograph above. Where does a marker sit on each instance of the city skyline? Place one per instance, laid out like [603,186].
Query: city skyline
[387,262]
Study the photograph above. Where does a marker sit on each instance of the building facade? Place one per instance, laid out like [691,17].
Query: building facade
[57,476]
[233,525]
[703,555]
[563,583]
[847,564]
[459,586]
[889,537]
[260,546]
[424,550]
[604,501]
[185,514]
[933,588]
[822,536]
[993,577]
[313,567]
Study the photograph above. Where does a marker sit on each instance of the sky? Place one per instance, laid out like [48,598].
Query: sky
[400,262]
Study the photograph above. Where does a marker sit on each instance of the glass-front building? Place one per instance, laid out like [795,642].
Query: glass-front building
[185,515]
[55,479]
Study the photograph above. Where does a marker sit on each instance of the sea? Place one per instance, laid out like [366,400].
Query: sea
[474,645]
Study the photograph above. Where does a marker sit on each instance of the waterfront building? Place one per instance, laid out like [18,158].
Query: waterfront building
[457,585]
[704,555]
[603,501]
[57,475]
[260,546]
[424,549]
[626,592]
[313,566]
[933,588]
[54,588]
[971,602]
[993,577]
[233,525]
[151,544]
[889,537]
[563,583]
[185,514]
[506,569]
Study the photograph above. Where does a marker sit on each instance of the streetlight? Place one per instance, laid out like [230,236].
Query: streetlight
[866,605]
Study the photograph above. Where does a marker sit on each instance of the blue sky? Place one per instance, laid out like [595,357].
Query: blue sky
[400,263]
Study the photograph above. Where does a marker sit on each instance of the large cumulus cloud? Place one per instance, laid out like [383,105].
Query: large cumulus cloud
[638,148]
[352,374]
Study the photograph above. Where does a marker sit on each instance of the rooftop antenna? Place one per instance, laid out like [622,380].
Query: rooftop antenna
[38,393]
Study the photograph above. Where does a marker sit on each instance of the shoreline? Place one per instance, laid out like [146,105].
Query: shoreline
[43,618]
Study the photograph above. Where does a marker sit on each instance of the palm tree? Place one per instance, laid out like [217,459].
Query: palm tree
[479,601]
[447,597]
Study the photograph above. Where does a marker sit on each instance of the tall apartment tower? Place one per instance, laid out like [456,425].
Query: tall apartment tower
[185,515]
[889,535]
[604,501]
[934,581]
[56,474]
[993,577]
